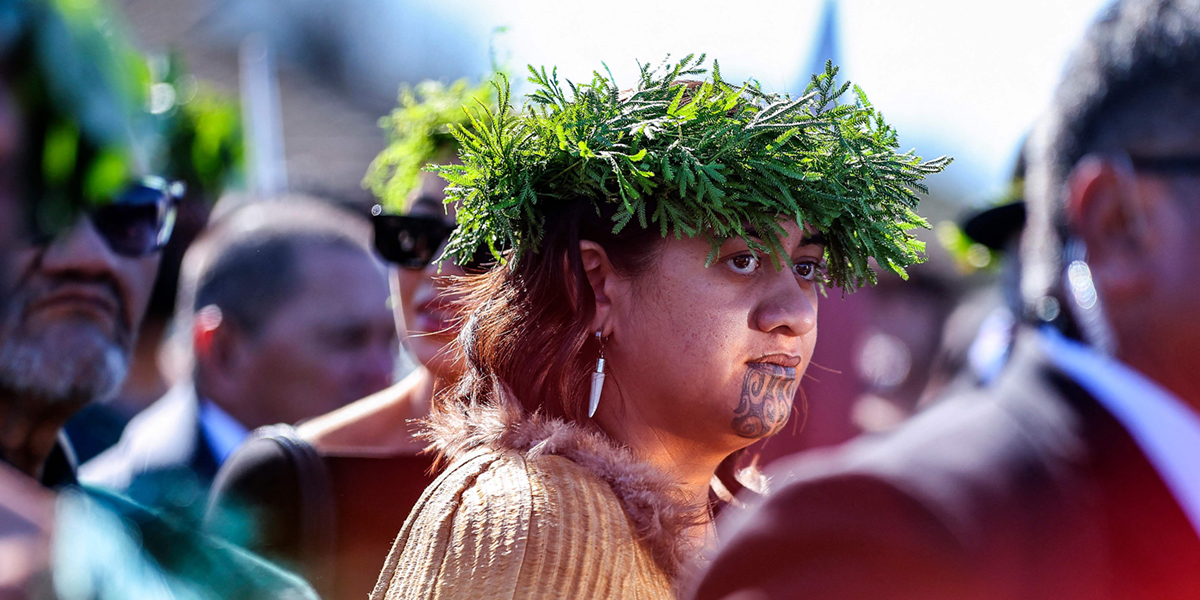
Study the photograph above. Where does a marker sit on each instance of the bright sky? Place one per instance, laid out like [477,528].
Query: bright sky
[959,77]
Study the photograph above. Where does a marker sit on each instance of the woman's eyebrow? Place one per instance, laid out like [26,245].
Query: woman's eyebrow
[815,238]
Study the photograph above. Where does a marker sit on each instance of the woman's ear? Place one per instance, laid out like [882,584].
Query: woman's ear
[603,280]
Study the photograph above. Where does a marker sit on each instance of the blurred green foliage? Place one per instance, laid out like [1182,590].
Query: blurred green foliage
[98,115]
[419,131]
[81,90]
[203,129]
[968,254]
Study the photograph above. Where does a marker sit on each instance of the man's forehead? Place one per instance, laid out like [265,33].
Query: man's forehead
[318,251]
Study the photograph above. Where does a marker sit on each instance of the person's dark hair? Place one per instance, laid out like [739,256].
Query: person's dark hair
[247,263]
[530,326]
[1134,78]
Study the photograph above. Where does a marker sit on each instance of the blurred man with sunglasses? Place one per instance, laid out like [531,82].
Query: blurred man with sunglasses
[67,332]
[35,105]
[1076,473]
[80,143]
[81,258]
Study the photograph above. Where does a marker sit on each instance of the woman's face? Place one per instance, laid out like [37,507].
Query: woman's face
[424,301]
[713,354]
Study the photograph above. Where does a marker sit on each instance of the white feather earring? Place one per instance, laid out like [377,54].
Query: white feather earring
[597,379]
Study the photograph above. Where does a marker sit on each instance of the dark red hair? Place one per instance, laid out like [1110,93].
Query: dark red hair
[529,326]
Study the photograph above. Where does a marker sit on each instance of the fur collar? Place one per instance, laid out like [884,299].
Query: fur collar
[651,498]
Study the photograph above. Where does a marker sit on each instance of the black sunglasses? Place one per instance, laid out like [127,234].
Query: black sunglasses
[413,242]
[136,222]
[140,219]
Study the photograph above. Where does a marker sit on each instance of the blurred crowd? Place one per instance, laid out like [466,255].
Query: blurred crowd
[213,384]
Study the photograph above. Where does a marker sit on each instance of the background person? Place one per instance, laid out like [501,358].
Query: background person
[204,151]
[287,310]
[264,496]
[1076,474]
[81,282]
[609,372]
[83,279]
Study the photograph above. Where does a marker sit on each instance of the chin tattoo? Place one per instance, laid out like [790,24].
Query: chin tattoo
[766,400]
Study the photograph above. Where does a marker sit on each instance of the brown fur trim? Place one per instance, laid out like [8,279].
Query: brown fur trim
[652,499]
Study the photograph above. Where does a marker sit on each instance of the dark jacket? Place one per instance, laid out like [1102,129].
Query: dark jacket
[163,459]
[331,517]
[1029,489]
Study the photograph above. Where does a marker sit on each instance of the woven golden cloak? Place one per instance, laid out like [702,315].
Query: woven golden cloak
[498,525]
[533,508]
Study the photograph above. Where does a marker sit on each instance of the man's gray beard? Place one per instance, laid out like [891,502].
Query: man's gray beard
[69,362]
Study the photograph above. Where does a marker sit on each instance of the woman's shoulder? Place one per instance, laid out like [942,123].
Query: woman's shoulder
[491,471]
[522,491]
[473,483]
[500,523]
[378,425]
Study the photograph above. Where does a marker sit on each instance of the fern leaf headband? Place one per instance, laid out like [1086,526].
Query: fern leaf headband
[692,155]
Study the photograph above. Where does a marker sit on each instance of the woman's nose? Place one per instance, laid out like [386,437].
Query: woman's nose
[786,309]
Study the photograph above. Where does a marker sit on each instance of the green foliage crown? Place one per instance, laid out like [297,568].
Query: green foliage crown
[691,156]
[419,131]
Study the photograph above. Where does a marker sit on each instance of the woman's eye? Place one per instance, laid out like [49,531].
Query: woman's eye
[744,264]
[805,270]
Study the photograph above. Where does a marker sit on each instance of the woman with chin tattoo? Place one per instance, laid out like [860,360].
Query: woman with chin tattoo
[311,493]
[661,252]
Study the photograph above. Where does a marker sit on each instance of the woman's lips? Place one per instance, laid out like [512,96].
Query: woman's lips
[435,314]
[782,365]
[433,323]
[781,359]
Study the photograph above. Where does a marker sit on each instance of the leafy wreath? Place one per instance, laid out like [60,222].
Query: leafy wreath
[692,156]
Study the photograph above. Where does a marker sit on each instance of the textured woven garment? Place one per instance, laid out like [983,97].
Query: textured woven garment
[502,524]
